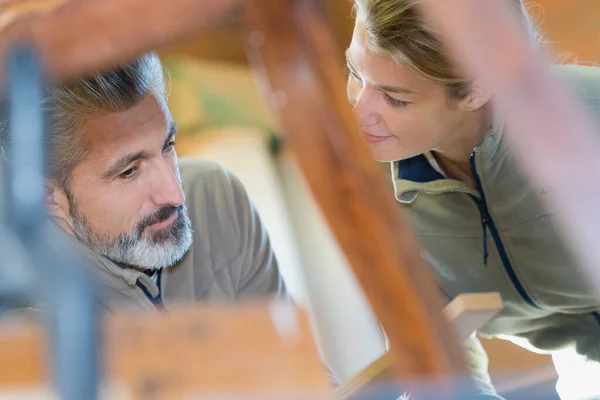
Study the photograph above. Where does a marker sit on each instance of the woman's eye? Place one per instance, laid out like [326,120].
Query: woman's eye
[354,76]
[395,102]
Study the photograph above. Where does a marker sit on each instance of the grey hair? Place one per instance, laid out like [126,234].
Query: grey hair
[68,104]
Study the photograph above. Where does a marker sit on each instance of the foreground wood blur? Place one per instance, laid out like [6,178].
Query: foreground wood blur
[299,55]
[293,52]
[291,48]
[201,350]
[255,350]
[466,313]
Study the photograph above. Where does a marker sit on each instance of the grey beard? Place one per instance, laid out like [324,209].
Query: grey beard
[161,249]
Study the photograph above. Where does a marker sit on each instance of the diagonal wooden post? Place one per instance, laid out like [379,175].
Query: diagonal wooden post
[291,47]
[81,36]
[293,51]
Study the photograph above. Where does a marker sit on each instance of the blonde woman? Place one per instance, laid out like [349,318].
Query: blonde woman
[481,225]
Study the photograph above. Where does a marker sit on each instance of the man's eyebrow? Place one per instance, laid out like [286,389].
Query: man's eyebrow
[123,162]
[127,159]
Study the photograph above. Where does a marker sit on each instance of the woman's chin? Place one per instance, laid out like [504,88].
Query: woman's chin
[383,154]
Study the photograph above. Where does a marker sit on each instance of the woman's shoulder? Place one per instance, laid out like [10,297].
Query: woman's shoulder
[583,79]
[584,82]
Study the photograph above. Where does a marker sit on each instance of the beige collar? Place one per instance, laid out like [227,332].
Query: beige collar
[423,174]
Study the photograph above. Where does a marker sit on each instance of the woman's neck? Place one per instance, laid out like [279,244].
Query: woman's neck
[454,156]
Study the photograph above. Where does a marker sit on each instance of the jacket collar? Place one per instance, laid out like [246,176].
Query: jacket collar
[421,174]
[95,263]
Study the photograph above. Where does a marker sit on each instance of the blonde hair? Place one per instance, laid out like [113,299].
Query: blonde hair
[398,29]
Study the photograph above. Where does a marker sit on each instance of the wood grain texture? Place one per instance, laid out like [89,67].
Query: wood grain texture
[83,36]
[291,48]
[11,10]
[23,353]
[572,41]
[466,313]
[254,350]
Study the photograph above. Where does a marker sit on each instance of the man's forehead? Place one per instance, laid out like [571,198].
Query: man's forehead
[148,115]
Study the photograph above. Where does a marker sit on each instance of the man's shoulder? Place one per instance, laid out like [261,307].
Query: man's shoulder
[195,169]
[206,177]
[210,188]
[230,255]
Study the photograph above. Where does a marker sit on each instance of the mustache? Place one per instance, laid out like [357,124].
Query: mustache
[161,215]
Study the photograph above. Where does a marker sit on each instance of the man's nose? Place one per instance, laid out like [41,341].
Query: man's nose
[168,189]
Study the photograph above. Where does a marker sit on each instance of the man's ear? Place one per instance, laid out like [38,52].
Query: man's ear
[57,205]
[477,98]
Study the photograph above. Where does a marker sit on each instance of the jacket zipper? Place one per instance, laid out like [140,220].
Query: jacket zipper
[488,222]
[157,301]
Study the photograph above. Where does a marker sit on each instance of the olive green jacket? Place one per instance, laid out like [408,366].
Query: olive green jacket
[502,237]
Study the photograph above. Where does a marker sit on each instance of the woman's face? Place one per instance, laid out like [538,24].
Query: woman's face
[400,114]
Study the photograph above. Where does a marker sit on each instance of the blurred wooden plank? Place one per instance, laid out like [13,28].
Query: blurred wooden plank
[23,353]
[470,311]
[226,44]
[379,372]
[554,19]
[294,54]
[514,368]
[251,350]
[87,35]
[12,10]
[467,313]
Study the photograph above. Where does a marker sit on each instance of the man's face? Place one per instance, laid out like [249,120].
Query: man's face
[125,197]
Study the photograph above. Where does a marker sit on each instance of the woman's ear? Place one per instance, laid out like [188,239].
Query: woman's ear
[477,98]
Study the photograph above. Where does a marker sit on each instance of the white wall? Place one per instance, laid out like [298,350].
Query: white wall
[349,332]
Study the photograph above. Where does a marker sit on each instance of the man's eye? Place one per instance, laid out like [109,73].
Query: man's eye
[128,173]
[170,146]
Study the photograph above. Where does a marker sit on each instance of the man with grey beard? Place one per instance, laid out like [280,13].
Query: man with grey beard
[153,229]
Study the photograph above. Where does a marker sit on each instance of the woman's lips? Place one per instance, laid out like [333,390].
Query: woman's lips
[370,138]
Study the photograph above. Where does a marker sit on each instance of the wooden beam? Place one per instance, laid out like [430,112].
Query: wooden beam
[192,351]
[292,50]
[83,36]
[304,83]
[466,313]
